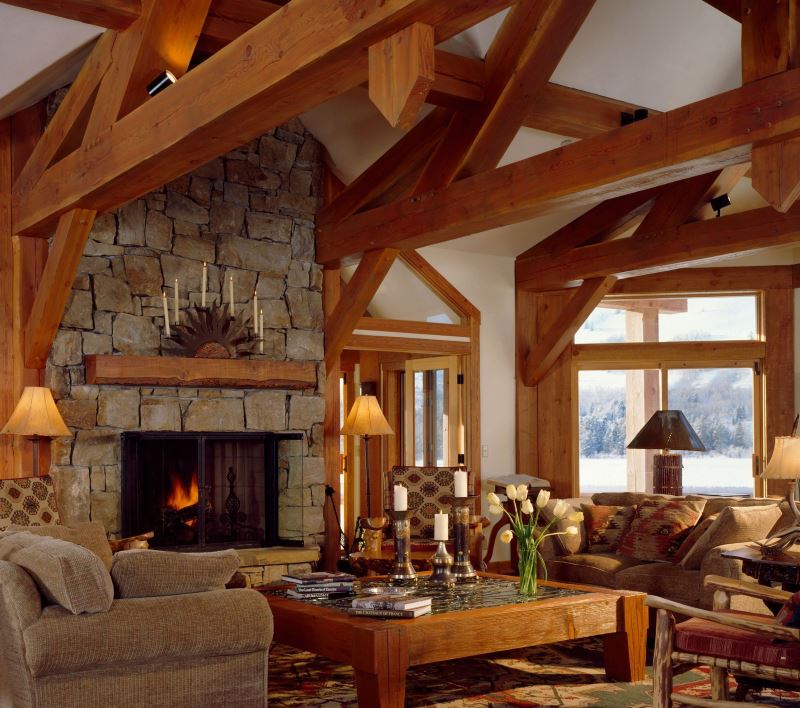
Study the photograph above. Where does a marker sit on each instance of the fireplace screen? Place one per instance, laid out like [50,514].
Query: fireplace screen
[213,490]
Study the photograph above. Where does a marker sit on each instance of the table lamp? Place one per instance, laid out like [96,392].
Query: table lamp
[36,417]
[665,431]
[785,464]
[366,420]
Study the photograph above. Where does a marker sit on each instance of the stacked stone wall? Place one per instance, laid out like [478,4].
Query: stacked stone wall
[250,216]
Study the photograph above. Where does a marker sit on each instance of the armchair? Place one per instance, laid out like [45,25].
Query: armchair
[756,648]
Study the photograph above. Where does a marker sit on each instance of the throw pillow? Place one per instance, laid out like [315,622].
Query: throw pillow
[789,614]
[67,574]
[147,573]
[29,501]
[606,525]
[657,523]
[735,524]
[565,545]
[692,537]
[89,534]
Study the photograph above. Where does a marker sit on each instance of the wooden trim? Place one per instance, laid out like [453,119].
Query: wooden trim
[652,354]
[527,452]
[54,290]
[378,324]
[8,392]
[779,365]
[731,8]
[439,284]
[195,372]
[474,433]
[695,139]
[558,337]
[410,345]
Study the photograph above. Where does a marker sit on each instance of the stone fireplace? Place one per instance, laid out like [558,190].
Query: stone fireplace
[249,216]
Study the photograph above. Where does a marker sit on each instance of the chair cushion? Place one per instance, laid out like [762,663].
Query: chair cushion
[90,534]
[589,568]
[735,524]
[699,636]
[659,527]
[149,630]
[147,573]
[664,580]
[606,525]
[28,501]
[67,574]
[428,488]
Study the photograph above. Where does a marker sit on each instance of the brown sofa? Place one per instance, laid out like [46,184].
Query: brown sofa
[206,648]
[575,563]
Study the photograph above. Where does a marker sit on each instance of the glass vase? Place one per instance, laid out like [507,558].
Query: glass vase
[528,569]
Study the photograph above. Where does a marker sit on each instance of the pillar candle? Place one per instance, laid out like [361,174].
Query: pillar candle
[440,527]
[204,285]
[230,295]
[460,480]
[177,305]
[400,498]
[166,314]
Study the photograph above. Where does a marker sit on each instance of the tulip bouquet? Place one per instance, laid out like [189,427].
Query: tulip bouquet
[528,534]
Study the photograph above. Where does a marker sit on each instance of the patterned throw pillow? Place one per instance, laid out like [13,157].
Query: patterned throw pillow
[428,489]
[606,525]
[687,543]
[28,501]
[653,531]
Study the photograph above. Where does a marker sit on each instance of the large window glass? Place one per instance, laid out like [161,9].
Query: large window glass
[432,423]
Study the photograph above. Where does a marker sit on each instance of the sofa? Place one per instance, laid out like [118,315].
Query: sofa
[576,559]
[157,629]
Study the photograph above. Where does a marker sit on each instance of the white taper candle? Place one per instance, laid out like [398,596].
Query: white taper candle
[204,285]
[166,314]
[177,304]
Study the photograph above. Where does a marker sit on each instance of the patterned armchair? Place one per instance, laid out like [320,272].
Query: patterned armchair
[427,489]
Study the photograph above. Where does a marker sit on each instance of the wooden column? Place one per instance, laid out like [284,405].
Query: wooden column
[527,454]
[8,392]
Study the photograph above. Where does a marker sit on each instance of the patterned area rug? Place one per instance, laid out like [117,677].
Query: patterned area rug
[569,674]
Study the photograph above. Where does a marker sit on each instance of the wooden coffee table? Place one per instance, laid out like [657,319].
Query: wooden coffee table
[381,651]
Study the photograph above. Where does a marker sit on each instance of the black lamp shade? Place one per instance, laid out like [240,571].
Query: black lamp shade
[667,430]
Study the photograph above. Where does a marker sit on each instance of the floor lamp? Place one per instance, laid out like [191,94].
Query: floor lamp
[665,431]
[366,420]
[36,417]
[785,464]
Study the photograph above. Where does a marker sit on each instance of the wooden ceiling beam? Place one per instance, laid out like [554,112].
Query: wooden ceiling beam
[56,284]
[731,8]
[308,52]
[771,44]
[665,249]
[710,134]
[547,350]
[230,19]
[522,57]
[695,281]
[113,14]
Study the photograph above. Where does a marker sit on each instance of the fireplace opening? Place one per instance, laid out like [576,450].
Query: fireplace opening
[213,490]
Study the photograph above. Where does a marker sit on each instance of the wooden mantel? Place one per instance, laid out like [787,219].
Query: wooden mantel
[186,371]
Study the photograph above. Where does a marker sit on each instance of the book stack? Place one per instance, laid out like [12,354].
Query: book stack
[319,585]
[391,606]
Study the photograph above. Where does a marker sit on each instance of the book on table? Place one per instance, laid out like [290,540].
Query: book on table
[389,614]
[318,578]
[317,588]
[391,602]
[326,595]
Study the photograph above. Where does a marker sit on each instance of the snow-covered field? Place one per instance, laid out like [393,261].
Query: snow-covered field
[709,474]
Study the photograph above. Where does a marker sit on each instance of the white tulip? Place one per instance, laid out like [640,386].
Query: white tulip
[522,492]
[560,509]
[571,530]
[575,517]
[506,536]
[511,492]
[527,507]
[492,498]
[495,509]
[542,498]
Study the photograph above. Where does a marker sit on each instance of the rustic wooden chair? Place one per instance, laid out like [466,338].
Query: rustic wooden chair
[755,648]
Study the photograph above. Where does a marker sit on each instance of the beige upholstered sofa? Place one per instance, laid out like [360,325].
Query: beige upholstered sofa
[577,563]
[207,648]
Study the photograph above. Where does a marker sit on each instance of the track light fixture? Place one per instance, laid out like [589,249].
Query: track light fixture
[163,80]
[720,202]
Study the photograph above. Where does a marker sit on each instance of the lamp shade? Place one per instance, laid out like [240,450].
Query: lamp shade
[36,415]
[667,430]
[366,418]
[785,460]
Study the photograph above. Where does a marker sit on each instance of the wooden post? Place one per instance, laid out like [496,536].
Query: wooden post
[8,392]
[662,660]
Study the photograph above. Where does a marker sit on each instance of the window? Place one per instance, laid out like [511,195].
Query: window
[431,423]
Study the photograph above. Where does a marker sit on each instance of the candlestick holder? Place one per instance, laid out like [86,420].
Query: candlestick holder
[441,564]
[403,571]
[462,566]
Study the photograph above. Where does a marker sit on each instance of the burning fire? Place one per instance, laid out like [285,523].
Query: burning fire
[181,497]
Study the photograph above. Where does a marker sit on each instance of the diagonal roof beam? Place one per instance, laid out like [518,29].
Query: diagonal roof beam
[113,14]
[709,134]
[295,59]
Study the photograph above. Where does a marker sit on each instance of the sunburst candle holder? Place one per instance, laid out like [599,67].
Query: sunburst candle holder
[214,333]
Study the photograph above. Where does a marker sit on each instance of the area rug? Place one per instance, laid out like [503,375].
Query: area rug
[568,674]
